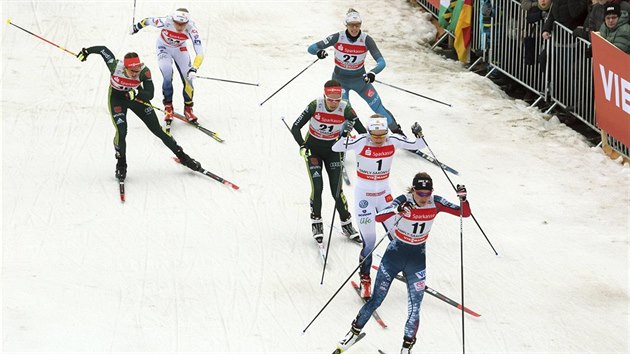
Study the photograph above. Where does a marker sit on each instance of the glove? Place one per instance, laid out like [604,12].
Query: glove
[405,207]
[83,54]
[461,192]
[369,77]
[321,54]
[304,151]
[398,130]
[416,129]
[134,29]
[131,94]
[347,128]
[191,73]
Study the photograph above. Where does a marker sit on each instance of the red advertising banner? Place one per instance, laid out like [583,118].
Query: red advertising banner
[611,77]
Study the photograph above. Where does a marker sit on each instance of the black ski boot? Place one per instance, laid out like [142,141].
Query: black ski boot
[121,167]
[187,160]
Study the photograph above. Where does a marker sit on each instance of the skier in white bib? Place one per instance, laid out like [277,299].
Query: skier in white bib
[175,31]
[372,193]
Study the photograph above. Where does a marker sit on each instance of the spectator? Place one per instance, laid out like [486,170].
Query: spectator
[615,28]
[593,22]
[537,13]
[569,13]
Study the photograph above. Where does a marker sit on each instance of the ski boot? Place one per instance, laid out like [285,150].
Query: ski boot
[351,337]
[187,160]
[121,167]
[407,345]
[168,116]
[188,112]
[318,229]
[349,231]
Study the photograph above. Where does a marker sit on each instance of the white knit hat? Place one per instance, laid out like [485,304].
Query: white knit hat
[353,16]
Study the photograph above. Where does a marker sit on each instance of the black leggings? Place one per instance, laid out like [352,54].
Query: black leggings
[118,106]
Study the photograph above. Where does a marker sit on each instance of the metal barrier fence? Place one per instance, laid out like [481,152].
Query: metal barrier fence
[516,47]
[571,75]
[557,70]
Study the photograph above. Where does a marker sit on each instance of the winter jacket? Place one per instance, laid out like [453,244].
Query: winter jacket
[619,35]
[569,13]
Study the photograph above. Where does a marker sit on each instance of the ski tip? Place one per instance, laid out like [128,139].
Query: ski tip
[8,21]
[234,186]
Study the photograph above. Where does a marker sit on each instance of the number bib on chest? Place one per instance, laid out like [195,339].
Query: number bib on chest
[374,162]
[350,56]
[326,125]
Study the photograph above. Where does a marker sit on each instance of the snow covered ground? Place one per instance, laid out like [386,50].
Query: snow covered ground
[187,265]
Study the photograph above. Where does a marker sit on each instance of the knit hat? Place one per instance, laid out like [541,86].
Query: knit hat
[423,182]
[353,16]
[612,9]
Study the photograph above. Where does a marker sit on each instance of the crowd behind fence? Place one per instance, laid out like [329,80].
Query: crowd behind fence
[558,71]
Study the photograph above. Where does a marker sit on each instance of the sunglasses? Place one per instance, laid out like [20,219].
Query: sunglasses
[378,135]
[422,194]
[333,99]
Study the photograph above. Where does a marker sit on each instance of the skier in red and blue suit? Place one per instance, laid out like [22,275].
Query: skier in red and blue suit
[406,253]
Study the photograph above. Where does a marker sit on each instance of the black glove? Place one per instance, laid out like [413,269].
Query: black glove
[398,130]
[135,28]
[131,94]
[416,129]
[83,54]
[461,192]
[304,151]
[191,73]
[369,77]
[347,128]
[321,54]
[405,207]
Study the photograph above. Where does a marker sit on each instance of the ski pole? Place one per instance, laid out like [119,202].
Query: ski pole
[334,209]
[455,189]
[300,73]
[133,19]
[332,221]
[43,39]
[413,93]
[350,276]
[461,269]
[224,80]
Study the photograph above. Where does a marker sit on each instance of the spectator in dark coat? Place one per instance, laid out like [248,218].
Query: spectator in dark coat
[569,13]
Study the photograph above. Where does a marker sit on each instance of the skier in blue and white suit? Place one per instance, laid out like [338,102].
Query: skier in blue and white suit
[175,31]
[351,48]
[406,253]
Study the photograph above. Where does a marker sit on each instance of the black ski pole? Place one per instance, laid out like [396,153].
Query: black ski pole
[348,278]
[225,80]
[133,19]
[455,189]
[300,73]
[413,93]
[461,269]
[334,209]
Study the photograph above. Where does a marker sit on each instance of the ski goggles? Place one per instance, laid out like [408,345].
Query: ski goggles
[422,194]
[332,99]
